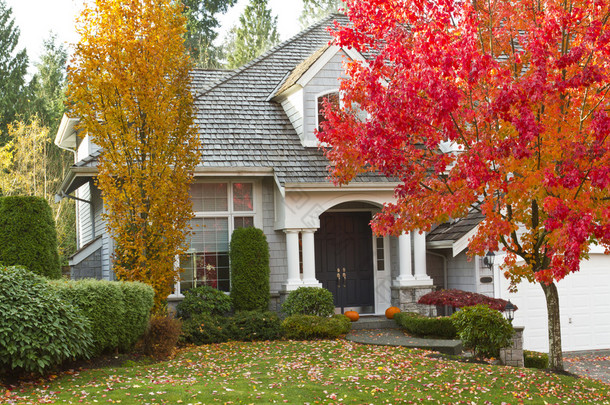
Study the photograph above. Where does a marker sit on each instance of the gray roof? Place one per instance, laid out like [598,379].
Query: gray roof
[240,127]
[455,230]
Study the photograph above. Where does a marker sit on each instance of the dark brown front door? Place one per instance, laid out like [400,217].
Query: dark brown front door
[344,259]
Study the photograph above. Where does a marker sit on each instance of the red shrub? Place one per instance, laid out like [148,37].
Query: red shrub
[460,299]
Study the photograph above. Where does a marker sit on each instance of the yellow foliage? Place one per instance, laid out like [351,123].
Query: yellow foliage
[129,84]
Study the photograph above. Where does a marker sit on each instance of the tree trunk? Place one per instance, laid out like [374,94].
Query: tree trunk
[554,326]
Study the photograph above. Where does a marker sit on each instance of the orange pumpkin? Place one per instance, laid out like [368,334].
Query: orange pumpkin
[352,315]
[390,312]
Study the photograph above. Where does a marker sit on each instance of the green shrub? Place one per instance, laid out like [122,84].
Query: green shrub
[306,327]
[204,300]
[535,359]
[254,325]
[38,329]
[249,255]
[161,336]
[27,235]
[309,301]
[202,329]
[483,330]
[419,325]
[118,311]
[138,300]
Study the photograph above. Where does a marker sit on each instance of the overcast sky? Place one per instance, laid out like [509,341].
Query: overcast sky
[36,18]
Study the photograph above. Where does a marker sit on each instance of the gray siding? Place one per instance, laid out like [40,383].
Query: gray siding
[276,239]
[461,273]
[325,80]
[85,228]
[436,270]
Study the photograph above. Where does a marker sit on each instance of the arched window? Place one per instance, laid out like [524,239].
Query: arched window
[333,98]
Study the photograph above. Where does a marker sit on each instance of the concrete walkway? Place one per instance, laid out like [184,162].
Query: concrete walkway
[396,337]
[594,364]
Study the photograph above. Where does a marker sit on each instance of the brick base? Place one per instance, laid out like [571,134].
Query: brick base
[406,299]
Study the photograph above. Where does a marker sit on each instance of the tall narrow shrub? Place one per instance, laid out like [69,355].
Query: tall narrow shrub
[27,235]
[249,254]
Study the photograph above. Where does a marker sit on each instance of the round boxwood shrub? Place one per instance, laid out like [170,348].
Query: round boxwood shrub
[483,330]
[309,301]
[38,329]
[203,300]
[27,235]
[249,255]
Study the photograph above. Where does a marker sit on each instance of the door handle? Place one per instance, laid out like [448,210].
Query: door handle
[344,278]
[338,277]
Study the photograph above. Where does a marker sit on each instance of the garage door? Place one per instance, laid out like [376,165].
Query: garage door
[584,300]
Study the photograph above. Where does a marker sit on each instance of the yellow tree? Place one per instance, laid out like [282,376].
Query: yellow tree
[128,82]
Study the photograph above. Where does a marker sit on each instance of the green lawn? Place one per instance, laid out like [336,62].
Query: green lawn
[310,372]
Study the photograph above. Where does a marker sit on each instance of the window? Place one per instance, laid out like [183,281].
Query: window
[333,99]
[219,209]
[379,246]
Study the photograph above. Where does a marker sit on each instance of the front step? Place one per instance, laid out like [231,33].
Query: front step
[374,322]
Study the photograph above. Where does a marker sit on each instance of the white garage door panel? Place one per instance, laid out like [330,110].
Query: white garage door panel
[584,300]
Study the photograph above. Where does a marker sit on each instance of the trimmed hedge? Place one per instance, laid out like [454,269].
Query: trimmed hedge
[27,235]
[254,325]
[138,300]
[204,300]
[309,301]
[419,325]
[307,327]
[202,329]
[38,328]
[535,359]
[118,311]
[249,254]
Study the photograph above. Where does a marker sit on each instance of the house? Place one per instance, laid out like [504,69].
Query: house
[261,166]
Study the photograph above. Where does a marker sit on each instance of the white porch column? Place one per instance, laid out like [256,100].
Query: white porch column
[419,252]
[405,275]
[309,259]
[292,254]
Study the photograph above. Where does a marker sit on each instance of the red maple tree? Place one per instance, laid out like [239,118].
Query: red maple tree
[493,106]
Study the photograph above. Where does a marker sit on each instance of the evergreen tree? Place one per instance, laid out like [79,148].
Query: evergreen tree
[13,67]
[46,89]
[201,24]
[44,110]
[257,33]
[315,10]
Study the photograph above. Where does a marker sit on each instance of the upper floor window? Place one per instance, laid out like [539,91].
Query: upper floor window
[333,99]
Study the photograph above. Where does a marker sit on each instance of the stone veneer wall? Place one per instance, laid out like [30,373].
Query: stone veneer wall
[406,299]
[513,356]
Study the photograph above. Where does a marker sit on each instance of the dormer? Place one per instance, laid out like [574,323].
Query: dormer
[304,88]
